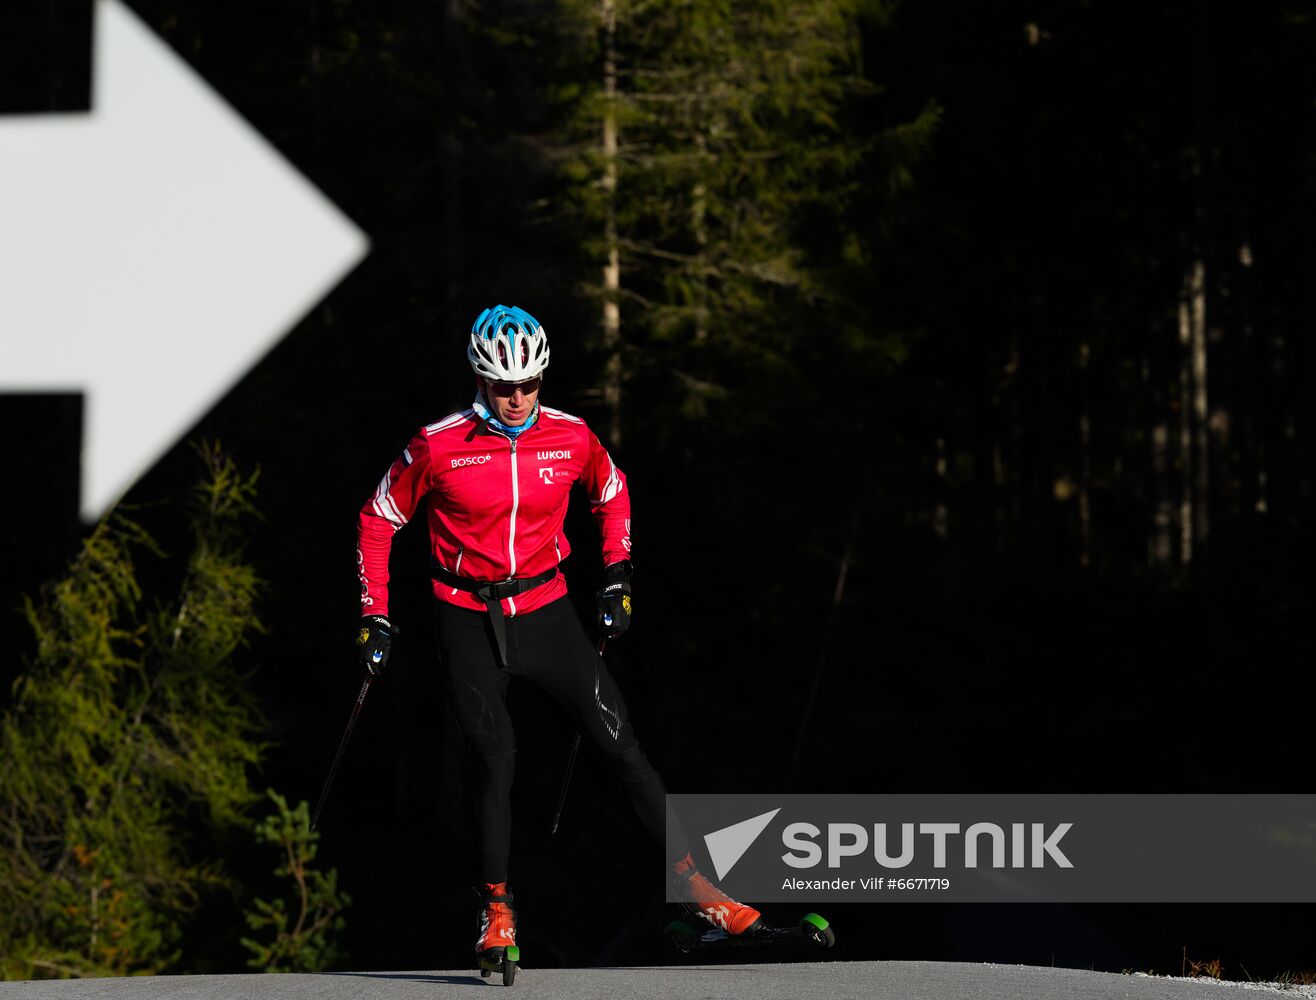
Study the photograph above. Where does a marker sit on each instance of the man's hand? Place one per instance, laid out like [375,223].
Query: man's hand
[373,641]
[615,600]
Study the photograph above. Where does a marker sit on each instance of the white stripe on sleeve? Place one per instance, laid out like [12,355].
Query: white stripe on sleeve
[451,420]
[611,487]
[384,505]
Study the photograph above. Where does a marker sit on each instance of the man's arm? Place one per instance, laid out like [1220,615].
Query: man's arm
[610,501]
[390,507]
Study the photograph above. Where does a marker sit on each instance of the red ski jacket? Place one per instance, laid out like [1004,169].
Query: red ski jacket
[495,506]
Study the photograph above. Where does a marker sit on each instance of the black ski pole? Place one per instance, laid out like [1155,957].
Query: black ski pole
[566,781]
[571,765]
[347,734]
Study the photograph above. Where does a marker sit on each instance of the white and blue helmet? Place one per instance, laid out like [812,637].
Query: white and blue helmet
[507,345]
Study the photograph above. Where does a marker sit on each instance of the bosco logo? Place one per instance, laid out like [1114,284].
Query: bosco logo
[457,463]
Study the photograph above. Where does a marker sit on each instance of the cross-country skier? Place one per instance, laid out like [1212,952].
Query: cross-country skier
[492,482]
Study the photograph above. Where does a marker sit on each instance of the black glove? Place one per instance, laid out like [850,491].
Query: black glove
[373,640]
[615,600]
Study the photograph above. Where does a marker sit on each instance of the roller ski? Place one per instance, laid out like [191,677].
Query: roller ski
[812,929]
[721,922]
[495,948]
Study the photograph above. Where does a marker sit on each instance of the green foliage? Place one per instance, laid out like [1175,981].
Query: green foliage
[127,727]
[303,943]
[746,168]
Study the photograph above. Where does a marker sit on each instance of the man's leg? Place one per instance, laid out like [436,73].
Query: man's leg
[478,688]
[558,656]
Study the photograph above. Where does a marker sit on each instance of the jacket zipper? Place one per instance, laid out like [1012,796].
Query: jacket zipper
[516,502]
[511,534]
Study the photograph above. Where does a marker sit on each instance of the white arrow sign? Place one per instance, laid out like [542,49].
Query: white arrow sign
[151,253]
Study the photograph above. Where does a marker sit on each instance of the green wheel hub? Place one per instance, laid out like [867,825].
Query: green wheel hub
[817,930]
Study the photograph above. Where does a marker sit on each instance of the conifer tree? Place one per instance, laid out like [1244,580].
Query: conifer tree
[130,726]
[721,193]
[296,938]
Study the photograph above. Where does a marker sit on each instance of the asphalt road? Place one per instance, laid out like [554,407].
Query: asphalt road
[812,981]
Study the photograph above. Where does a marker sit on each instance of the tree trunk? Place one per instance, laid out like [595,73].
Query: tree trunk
[1085,460]
[998,496]
[1185,432]
[612,266]
[451,251]
[699,229]
[1160,543]
[1201,430]
[940,514]
[1254,465]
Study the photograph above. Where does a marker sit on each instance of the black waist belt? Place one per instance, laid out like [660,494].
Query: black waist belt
[491,594]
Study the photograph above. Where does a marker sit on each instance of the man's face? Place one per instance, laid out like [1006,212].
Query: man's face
[512,402]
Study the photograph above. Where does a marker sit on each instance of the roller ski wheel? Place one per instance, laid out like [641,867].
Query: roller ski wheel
[501,960]
[817,930]
[812,929]
[682,936]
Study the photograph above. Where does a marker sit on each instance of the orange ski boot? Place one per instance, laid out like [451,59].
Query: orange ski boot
[702,897]
[495,948]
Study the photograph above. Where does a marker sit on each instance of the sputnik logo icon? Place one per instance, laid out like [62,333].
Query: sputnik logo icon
[729,844]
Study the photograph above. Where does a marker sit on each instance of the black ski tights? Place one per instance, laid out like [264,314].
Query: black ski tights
[549,647]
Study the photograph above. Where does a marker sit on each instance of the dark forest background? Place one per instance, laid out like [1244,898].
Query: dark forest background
[957,354]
